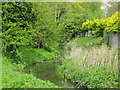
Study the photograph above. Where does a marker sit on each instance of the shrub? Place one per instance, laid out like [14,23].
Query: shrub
[97,26]
[70,29]
[112,25]
[16,20]
[28,56]
[27,24]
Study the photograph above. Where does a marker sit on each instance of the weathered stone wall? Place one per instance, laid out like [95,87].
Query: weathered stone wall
[114,40]
[82,34]
[88,34]
[106,37]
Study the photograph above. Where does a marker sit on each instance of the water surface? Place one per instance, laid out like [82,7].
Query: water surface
[48,71]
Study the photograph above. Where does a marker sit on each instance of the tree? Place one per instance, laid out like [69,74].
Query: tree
[44,34]
[75,13]
[112,9]
[16,19]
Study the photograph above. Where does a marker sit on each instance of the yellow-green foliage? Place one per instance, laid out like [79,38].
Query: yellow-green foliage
[97,26]
[87,25]
[112,23]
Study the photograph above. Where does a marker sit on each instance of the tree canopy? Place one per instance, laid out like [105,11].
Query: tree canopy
[44,24]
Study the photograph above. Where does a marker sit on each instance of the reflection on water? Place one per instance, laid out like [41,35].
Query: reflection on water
[48,71]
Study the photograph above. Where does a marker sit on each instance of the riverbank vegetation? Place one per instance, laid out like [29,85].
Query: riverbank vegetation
[43,31]
[13,77]
[91,67]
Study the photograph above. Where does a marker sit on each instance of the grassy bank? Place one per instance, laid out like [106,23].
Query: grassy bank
[13,77]
[91,64]
[28,56]
[85,42]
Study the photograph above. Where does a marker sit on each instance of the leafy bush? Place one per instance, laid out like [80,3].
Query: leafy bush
[113,24]
[44,33]
[12,78]
[97,26]
[30,55]
[71,28]
[16,21]
[27,24]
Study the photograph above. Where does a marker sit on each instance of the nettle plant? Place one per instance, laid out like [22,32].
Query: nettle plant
[97,26]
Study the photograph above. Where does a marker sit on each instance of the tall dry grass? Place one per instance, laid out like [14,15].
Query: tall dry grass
[83,58]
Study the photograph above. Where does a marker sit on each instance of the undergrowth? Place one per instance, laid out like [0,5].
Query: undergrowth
[13,75]
[85,42]
[96,67]
[28,56]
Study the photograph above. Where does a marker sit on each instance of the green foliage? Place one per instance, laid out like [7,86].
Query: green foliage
[71,28]
[12,78]
[42,25]
[112,9]
[17,17]
[113,24]
[72,15]
[93,77]
[86,42]
[30,55]
[32,32]
[92,10]
[97,26]
[44,33]
[28,24]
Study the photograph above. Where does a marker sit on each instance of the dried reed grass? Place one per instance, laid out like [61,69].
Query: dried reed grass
[95,57]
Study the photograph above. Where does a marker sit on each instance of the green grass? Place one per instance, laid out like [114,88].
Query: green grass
[85,42]
[12,77]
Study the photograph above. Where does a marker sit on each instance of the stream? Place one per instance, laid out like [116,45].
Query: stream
[48,71]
